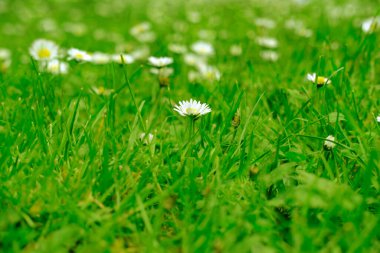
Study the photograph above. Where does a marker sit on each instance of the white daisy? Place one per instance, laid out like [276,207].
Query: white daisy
[122,58]
[193,60]
[203,48]
[102,91]
[160,61]
[166,72]
[78,55]
[269,55]
[209,73]
[140,53]
[192,108]
[329,142]
[371,25]
[146,139]
[267,42]
[140,29]
[236,50]
[100,58]
[320,80]
[5,59]
[57,67]
[5,54]
[177,48]
[43,50]
[265,23]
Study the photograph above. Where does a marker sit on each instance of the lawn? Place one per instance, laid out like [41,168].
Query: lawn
[189,126]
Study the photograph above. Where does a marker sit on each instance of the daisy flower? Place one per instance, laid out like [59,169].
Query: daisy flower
[320,80]
[140,53]
[209,73]
[140,29]
[329,142]
[142,32]
[269,55]
[100,58]
[371,25]
[265,23]
[5,59]
[236,50]
[146,138]
[177,48]
[193,60]
[192,108]
[160,61]
[163,75]
[43,50]
[122,58]
[78,55]
[57,67]
[267,42]
[101,91]
[202,48]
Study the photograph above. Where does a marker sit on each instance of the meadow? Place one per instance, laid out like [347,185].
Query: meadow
[100,152]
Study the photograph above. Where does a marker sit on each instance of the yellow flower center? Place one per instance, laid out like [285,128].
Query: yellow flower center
[101,90]
[44,53]
[79,56]
[321,80]
[191,111]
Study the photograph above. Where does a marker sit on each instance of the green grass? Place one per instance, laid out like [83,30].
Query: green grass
[74,176]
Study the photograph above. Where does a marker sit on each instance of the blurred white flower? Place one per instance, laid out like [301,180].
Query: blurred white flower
[142,32]
[329,142]
[265,23]
[203,48]
[267,42]
[43,50]
[57,67]
[140,29]
[194,17]
[194,76]
[122,58]
[320,80]
[192,108]
[193,60]
[146,138]
[165,72]
[78,55]
[140,53]
[77,29]
[146,37]
[378,119]
[101,90]
[236,50]
[5,54]
[163,75]
[371,25]
[5,59]
[269,55]
[100,58]
[160,61]
[209,73]
[177,48]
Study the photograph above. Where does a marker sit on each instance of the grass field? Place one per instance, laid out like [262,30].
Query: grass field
[94,158]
